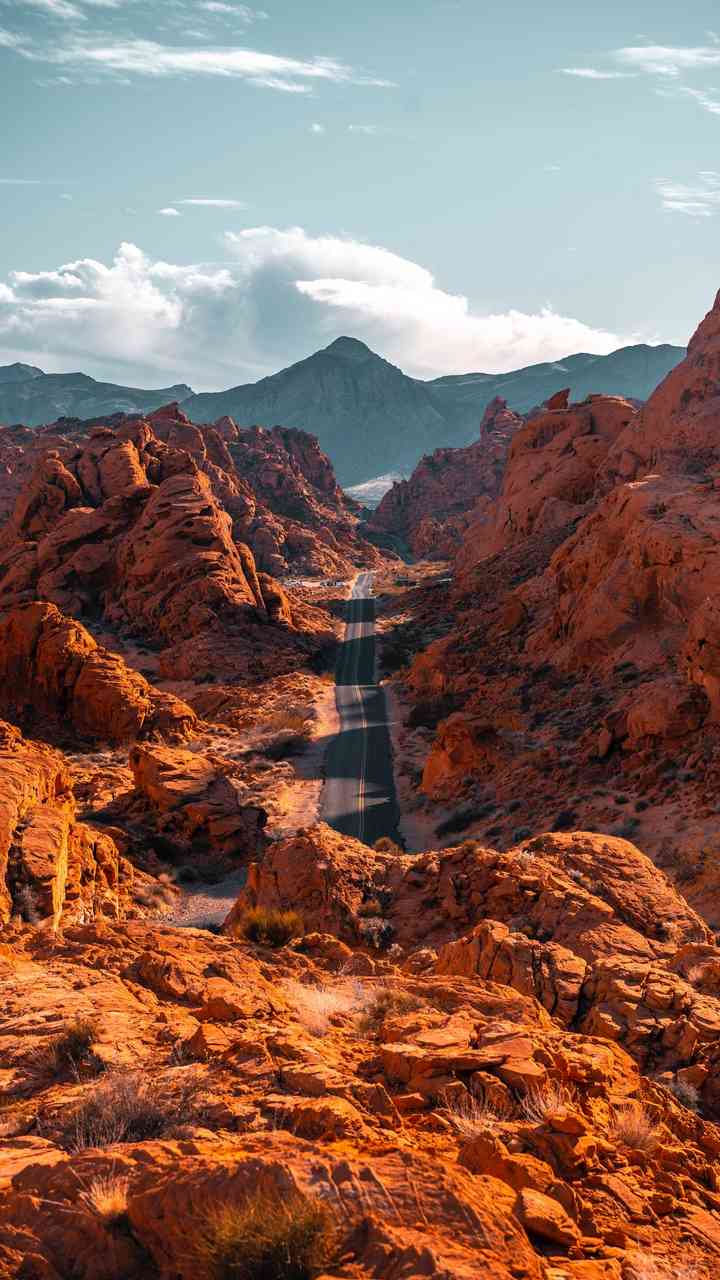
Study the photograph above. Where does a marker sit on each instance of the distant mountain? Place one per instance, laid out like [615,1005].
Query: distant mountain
[32,397]
[368,415]
[371,417]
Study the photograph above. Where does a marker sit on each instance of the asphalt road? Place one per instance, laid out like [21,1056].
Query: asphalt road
[359,797]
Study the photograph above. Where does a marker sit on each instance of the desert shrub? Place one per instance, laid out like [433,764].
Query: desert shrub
[125,1108]
[271,928]
[544,1100]
[686,1094]
[385,1004]
[565,820]
[632,1127]
[370,909]
[266,1237]
[316,1007]
[469,1117]
[386,845]
[287,746]
[71,1050]
[460,820]
[107,1199]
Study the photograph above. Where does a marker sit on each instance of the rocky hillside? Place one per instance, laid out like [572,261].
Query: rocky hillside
[577,684]
[428,514]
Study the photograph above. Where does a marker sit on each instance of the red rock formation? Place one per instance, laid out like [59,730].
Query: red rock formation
[429,512]
[54,675]
[52,868]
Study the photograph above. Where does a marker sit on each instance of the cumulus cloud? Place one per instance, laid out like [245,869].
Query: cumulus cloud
[279,295]
[317,128]
[170,212]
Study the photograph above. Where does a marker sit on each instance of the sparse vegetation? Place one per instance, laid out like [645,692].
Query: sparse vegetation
[317,1007]
[124,1108]
[470,1117]
[460,820]
[632,1127]
[386,1003]
[107,1199]
[544,1100]
[266,1237]
[386,845]
[270,928]
[71,1051]
[686,1094]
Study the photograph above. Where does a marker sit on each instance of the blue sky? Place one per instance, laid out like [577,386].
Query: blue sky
[198,190]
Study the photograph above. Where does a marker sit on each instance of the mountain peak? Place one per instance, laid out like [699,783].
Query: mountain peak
[349,349]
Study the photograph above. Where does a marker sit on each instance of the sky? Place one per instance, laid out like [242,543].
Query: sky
[201,191]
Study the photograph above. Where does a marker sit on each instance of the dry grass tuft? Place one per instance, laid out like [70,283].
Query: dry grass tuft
[267,1237]
[317,1007]
[544,1100]
[469,1117]
[70,1052]
[632,1127]
[271,928]
[385,1004]
[107,1199]
[643,1266]
[125,1108]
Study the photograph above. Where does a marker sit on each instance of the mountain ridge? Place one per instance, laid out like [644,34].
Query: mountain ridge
[367,414]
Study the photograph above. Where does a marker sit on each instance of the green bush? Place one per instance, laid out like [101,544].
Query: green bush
[266,1237]
[271,928]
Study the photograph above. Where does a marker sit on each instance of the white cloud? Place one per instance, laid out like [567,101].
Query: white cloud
[57,8]
[317,128]
[169,212]
[668,60]
[700,199]
[592,73]
[241,11]
[150,58]
[369,129]
[66,196]
[208,203]
[280,295]
[705,100]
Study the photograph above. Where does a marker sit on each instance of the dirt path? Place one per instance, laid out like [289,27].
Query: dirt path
[209,905]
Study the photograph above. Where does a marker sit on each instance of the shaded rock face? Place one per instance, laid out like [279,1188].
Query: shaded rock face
[53,868]
[583,653]
[53,673]
[430,512]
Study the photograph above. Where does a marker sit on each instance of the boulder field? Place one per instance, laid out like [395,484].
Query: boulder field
[479,1064]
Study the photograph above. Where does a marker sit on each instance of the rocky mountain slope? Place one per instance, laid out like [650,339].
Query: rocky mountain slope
[366,413]
[577,683]
[428,514]
[30,396]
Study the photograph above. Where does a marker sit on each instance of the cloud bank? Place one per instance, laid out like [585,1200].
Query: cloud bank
[279,295]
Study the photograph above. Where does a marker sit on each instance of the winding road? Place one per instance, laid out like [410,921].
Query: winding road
[359,797]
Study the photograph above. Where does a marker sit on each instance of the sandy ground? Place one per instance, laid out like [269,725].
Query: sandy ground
[208,905]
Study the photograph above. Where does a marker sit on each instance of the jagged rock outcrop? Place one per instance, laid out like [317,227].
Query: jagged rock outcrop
[54,676]
[551,472]
[578,684]
[125,529]
[197,805]
[447,490]
[53,869]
